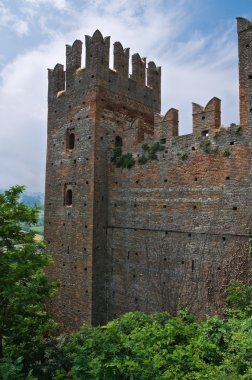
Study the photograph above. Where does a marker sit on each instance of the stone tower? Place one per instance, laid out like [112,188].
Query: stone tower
[78,158]
[167,232]
[244,28]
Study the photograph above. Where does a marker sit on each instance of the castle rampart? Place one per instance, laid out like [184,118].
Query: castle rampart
[168,231]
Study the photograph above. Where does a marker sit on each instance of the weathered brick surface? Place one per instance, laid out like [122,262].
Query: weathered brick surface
[155,237]
[244,28]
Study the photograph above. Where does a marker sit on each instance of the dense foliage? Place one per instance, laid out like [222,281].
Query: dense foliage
[31,199]
[134,346]
[24,323]
[125,161]
[158,346]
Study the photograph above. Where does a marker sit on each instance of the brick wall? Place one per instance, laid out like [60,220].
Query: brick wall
[157,236]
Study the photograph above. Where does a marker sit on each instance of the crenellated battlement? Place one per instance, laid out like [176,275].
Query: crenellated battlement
[208,118]
[56,80]
[243,24]
[138,217]
[121,60]
[73,61]
[143,85]
[138,69]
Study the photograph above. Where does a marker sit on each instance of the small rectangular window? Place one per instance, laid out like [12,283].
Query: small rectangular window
[205,133]
[68,196]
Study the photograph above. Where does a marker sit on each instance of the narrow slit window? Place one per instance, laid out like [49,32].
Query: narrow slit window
[118,141]
[192,265]
[71,141]
[69,197]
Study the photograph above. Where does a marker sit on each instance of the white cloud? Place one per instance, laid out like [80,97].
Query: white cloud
[21,27]
[194,68]
[23,115]
[5,15]
[60,5]
[12,21]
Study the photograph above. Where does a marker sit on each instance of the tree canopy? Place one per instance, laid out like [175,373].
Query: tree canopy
[24,323]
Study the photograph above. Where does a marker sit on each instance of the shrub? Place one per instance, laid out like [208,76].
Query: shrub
[122,160]
[239,295]
[150,152]
[126,161]
[205,145]
[183,155]
[142,160]
[116,154]
[238,130]
[226,152]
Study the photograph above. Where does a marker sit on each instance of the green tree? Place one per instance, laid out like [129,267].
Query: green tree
[239,296]
[24,323]
[137,346]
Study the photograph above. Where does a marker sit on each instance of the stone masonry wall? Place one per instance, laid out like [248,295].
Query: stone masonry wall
[177,227]
[157,236]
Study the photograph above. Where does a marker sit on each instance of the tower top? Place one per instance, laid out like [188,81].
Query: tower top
[243,24]
[143,85]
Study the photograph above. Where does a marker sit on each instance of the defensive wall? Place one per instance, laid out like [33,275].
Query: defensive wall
[165,233]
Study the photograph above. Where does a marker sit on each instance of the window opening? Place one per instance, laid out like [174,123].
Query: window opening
[69,197]
[118,141]
[192,265]
[205,133]
[70,140]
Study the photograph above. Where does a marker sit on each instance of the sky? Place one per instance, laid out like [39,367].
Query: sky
[194,41]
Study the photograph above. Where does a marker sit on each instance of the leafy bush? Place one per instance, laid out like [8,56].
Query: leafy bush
[152,149]
[226,152]
[125,161]
[239,296]
[183,155]
[238,130]
[116,154]
[150,152]
[142,160]
[205,145]
[14,370]
[158,346]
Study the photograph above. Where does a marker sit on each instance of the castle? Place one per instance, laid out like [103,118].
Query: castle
[169,229]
